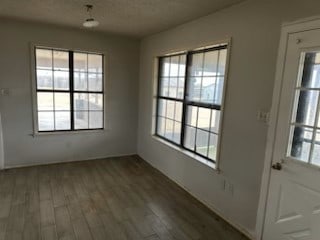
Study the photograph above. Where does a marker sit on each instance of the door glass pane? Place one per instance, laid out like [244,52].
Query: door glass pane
[304,144]
[311,71]
[307,107]
[301,143]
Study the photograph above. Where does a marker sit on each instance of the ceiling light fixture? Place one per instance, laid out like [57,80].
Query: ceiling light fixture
[90,22]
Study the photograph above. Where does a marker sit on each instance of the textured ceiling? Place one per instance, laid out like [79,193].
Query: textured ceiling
[137,18]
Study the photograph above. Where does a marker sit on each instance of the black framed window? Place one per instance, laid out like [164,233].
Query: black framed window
[189,99]
[69,88]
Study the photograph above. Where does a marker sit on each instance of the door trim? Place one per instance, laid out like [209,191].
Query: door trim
[302,25]
[1,147]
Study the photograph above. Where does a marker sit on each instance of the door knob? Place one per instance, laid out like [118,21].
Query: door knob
[277,166]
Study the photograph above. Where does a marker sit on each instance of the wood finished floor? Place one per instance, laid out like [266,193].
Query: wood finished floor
[117,198]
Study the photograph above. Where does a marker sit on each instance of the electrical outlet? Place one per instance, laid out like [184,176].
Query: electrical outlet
[4,92]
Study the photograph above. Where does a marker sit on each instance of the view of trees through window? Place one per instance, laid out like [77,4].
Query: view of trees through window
[190,94]
[69,90]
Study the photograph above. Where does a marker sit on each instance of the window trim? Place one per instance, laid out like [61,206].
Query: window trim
[34,90]
[226,44]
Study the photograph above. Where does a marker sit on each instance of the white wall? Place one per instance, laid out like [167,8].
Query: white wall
[254,27]
[122,89]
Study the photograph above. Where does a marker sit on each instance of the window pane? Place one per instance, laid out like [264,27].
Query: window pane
[62,120]
[162,107]
[301,140]
[44,79]
[215,121]
[180,93]
[95,101]
[161,126]
[95,63]
[202,142]
[80,62]
[45,121]
[81,101]
[208,89]
[81,120]
[204,118]
[178,115]
[45,101]
[174,66]
[195,89]
[213,145]
[196,64]
[192,115]
[61,60]
[182,67]
[218,91]
[170,109]
[173,87]
[177,132]
[61,80]
[96,119]
[210,63]
[307,107]
[95,82]
[169,129]
[44,58]
[80,81]
[61,101]
[165,67]
[164,87]
[222,61]
[189,141]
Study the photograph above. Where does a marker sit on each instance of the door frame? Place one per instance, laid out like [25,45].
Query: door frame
[306,24]
[1,146]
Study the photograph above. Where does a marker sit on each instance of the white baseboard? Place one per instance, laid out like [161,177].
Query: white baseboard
[68,161]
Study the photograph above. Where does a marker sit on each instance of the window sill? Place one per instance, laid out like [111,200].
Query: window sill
[39,134]
[189,154]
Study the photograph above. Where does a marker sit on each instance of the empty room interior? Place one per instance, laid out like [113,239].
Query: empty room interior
[160,120]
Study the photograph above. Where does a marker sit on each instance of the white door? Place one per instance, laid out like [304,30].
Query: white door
[293,205]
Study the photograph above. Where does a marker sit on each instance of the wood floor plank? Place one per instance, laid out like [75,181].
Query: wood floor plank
[120,198]
[46,213]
